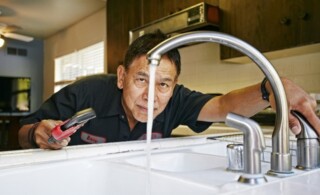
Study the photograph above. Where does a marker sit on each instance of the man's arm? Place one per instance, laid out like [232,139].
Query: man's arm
[25,137]
[37,135]
[248,101]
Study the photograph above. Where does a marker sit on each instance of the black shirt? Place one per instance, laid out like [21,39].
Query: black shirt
[100,92]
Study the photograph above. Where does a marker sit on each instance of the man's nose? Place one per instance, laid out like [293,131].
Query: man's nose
[145,93]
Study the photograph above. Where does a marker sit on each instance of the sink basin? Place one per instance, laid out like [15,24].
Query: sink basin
[198,169]
[217,149]
[179,161]
[71,177]
[104,176]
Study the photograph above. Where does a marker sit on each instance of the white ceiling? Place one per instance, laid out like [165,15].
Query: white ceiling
[43,18]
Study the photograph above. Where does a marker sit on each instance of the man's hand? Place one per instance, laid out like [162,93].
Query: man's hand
[300,101]
[43,132]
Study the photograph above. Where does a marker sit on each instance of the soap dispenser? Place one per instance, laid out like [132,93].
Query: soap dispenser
[308,146]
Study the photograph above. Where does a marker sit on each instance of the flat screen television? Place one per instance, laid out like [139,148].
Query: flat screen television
[15,93]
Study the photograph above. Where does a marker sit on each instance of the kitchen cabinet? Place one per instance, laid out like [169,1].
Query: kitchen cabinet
[267,25]
[270,25]
[122,15]
[9,127]
[125,15]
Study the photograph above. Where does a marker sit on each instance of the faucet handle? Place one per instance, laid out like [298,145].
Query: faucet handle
[307,131]
[308,145]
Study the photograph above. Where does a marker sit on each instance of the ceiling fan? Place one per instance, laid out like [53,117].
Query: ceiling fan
[7,31]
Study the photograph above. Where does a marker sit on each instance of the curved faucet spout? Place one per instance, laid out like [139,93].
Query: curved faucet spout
[280,158]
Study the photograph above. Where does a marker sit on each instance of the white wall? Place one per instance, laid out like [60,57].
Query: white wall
[203,70]
[88,31]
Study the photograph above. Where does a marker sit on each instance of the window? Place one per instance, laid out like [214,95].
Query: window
[71,67]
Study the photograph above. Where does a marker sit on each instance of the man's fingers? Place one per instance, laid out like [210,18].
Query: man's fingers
[65,142]
[313,121]
[44,132]
[294,124]
[55,145]
[311,118]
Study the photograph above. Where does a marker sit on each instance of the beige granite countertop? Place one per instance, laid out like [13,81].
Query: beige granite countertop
[216,128]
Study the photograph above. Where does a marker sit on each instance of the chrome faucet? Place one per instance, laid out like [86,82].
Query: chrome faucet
[254,144]
[280,156]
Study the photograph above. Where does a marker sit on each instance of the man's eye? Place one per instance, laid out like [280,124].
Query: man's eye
[164,85]
[142,80]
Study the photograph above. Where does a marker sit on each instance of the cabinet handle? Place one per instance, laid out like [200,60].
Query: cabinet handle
[285,21]
[304,16]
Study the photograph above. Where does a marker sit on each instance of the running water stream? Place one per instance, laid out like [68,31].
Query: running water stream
[152,73]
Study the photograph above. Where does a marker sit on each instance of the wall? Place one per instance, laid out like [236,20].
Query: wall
[88,31]
[203,70]
[28,66]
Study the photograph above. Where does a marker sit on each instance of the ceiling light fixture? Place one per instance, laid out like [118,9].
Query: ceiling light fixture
[1,41]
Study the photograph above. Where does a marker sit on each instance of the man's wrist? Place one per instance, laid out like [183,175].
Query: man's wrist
[264,92]
[31,139]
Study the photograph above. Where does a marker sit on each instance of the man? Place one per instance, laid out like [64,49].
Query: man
[120,103]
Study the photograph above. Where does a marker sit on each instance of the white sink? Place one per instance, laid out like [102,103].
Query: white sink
[100,176]
[179,161]
[74,177]
[198,169]
[217,149]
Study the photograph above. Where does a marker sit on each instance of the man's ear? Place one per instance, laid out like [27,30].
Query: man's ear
[120,76]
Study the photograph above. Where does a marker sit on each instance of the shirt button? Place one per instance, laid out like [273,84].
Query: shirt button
[122,116]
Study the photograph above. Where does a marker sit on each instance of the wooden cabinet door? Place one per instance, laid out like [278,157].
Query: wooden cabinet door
[270,25]
[308,15]
[156,9]
[9,127]
[122,16]
[125,15]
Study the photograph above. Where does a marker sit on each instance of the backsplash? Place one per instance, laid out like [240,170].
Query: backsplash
[203,70]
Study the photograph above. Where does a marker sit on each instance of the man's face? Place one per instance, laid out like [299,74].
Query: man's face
[135,84]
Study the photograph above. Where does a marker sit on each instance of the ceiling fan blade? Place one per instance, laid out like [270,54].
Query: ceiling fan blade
[17,37]
[8,27]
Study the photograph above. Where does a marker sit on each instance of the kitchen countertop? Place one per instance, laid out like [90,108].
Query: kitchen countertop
[215,128]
